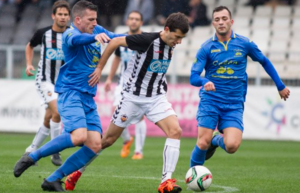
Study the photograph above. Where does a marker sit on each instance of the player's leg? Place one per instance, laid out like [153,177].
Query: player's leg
[231,125]
[140,136]
[207,117]
[127,142]
[55,129]
[161,113]
[73,117]
[42,133]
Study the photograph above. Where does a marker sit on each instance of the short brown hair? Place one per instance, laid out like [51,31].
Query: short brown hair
[81,6]
[178,21]
[61,4]
[220,8]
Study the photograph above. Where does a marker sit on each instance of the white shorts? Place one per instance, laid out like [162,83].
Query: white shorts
[117,95]
[132,108]
[46,92]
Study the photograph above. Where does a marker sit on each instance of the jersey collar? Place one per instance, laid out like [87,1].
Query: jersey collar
[73,27]
[215,38]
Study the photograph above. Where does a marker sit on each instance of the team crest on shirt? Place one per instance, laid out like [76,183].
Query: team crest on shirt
[124,118]
[49,93]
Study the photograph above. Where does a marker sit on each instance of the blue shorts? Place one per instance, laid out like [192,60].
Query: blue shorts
[78,110]
[212,114]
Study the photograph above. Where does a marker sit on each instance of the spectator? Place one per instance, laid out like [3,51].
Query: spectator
[171,6]
[146,7]
[198,13]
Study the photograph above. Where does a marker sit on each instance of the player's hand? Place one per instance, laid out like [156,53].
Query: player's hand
[29,68]
[102,38]
[95,77]
[209,86]
[107,85]
[285,93]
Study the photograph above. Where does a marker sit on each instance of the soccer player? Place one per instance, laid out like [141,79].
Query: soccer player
[123,55]
[52,58]
[224,87]
[75,103]
[145,91]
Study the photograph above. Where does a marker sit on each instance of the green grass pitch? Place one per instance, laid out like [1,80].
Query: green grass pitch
[258,166]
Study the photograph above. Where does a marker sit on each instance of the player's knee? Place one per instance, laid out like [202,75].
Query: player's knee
[232,147]
[203,143]
[95,146]
[56,117]
[175,133]
[79,139]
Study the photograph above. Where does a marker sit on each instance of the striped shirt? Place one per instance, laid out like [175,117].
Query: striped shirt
[52,56]
[146,71]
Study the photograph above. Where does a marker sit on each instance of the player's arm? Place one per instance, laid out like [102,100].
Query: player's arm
[197,69]
[73,38]
[114,66]
[29,57]
[111,47]
[257,55]
[109,34]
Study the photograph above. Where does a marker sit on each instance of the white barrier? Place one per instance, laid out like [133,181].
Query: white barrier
[266,115]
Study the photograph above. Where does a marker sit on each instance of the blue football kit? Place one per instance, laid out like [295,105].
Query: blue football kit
[225,66]
[75,101]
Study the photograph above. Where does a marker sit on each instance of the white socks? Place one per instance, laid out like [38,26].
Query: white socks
[170,158]
[125,135]
[84,167]
[39,138]
[55,129]
[140,135]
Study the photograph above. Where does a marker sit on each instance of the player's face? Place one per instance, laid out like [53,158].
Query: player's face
[134,22]
[222,22]
[173,38]
[88,21]
[61,17]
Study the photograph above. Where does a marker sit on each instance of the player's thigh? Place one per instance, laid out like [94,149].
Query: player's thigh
[170,125]
[71,110]
[127,112]
[208,114]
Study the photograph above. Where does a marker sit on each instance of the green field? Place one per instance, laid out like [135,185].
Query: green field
[258,166]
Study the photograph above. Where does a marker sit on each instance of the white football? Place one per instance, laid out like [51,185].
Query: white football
[198,178]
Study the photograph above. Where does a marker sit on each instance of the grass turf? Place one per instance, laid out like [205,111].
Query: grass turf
[258,166]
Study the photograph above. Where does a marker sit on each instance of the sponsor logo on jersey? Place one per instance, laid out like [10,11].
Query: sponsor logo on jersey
[215,50]
[54,54]
[159,66]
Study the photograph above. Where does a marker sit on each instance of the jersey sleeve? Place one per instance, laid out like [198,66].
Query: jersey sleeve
[140,42]
[255,53]
[118,52]
[37,38]
[99,29]
[197,68]
[74,38]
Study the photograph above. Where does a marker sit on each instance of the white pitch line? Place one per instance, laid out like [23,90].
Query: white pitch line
[226,189]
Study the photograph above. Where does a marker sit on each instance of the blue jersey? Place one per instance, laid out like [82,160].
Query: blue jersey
[82,53]
[225,65]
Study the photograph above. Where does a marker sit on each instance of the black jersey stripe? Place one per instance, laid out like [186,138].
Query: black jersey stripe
[53,62]
[143,71]
[44,59]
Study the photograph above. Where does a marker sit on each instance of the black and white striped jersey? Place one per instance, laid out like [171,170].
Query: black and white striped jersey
[146,71]
[125,55]
[52,56]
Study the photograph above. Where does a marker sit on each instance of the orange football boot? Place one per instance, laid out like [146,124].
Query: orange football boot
[137,156]
[169,186]
[71,180]
[126,148]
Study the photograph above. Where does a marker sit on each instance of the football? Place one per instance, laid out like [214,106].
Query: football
[198,178]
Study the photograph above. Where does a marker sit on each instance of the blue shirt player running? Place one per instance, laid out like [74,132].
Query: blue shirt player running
[81,46]
[224,87]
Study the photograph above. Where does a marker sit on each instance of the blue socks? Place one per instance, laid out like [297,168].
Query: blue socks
[56,145]
[218,140]
[73,163]
[197,157]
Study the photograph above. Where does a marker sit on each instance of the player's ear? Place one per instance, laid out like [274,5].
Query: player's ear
[53,16]
[167,28]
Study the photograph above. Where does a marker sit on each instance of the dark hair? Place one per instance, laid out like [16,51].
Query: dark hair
[61,4]
[178,21]
[220,8]
[134,11]
[81,6]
